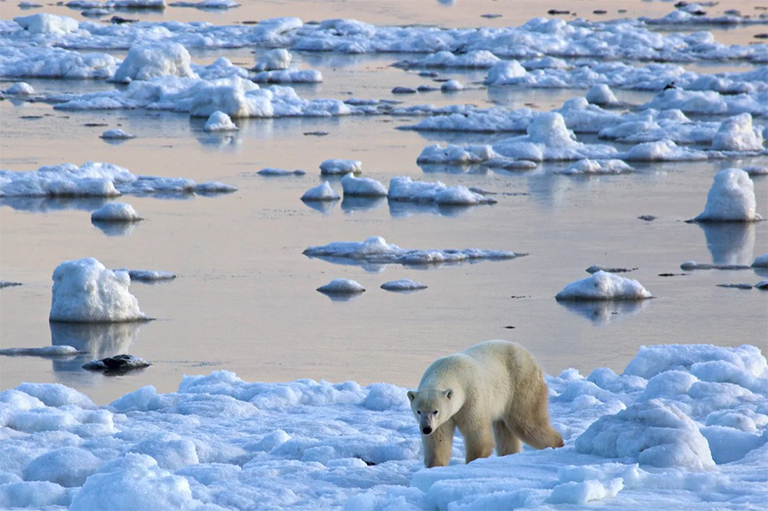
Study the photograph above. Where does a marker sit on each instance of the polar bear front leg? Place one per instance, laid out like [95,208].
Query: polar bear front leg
[478,439]
[439,445]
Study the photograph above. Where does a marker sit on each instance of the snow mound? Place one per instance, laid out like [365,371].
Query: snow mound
[604,286]
[117,134]
[651,433]
[404,189]
[738,134]
[761,261]
[322,192]
[149,61]
[20,89]
[435,153]
[336,166]
[597,167]
[274,60]
[44,23]
[115,212]
[451,86]
[403,285]
[84,291]
[731,199]
[377,250]
[505,72]
[601,94]
[362,187]
[219,121]
[663,150]
[341,286]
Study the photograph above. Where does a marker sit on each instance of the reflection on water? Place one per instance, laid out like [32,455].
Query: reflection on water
[115,228]
[406,209]
[601,312]
[323,206]
[352,204]
[49,204]
[95,340]
[341,297]
[730,243]
[441,168]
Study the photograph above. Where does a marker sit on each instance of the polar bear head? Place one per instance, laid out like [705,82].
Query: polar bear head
[432,408]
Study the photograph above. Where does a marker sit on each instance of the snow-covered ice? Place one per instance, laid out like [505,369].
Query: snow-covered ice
[601,94]
[341,287]
[19,89]
[44,23]
[115,212]
[403,285]
[154,60]
[731,199]
[597,167]
[684,426]
[761,261]
[96,179]
[116,134]
[47,351]
[451,86]
[405,189]
[84,291]
[362,186]
[274,172]
[321,192]
[336,166]
[219,121]
[376,250]
[289,76]
[274,60]
[207,4]
[602,285]
[148,275]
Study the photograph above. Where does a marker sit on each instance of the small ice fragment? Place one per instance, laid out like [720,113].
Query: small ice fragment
[219,121]
[115,212]
[20,89]
[403,90]
[762,285]
[761,261]
[403,285]
[47,351]
[148,275]
[341,286]
[597,267]
[362,187]
[604,286]
[322,192]
[271,172]
[117,134]
[118,363]
[451,86]
[337,166]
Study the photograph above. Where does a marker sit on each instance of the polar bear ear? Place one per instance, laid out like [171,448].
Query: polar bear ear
[411,395]
[448,393]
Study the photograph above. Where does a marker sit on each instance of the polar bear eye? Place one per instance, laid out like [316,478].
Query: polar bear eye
[419,412]
[434,413]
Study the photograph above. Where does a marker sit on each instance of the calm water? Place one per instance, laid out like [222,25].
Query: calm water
[245,297]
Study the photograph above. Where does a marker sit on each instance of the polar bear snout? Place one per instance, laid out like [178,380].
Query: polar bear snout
[426,430]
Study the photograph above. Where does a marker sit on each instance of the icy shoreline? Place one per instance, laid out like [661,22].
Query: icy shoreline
[684,425]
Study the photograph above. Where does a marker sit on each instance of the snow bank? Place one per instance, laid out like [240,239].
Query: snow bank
[403,285]
[44,23]
[153,60]
[115,212]
[604,286]
[731,199]
[322,192]
[117,134]
[95,179]
[650,435]
[341,286]
[84,291]
[336,166]
[362,187]
[219,121]
[376,250]
[404,189]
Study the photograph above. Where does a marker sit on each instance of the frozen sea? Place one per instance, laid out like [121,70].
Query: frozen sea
[244,297]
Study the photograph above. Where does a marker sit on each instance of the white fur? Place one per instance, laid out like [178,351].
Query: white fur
[493,392]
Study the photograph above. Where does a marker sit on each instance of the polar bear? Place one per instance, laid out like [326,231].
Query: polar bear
[494,389]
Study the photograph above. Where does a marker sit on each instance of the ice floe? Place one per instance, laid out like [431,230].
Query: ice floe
[730,199]
[362,186]
[761,261]
[274,60]
[45,62]
[321,192]
[154,60]
[404,189]
[273,172]
[601,94]
[289,76]
[337,166]
[602,285]
[207,4]
[451,86]
[341,287]
[148,275]
[219,121]
[19,89]
[479,59]
[682,425]
[44,23]
[597,167]
[7,283]
[96,179]
[738,134]
[115,212]
[84,291]
[693,265]
[117,364]
[116,134]
[376,250]
[403,285]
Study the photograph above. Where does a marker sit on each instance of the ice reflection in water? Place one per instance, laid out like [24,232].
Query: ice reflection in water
[602,312]
[95,340]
